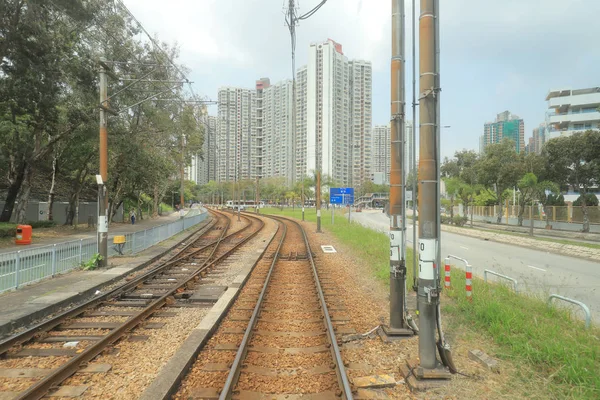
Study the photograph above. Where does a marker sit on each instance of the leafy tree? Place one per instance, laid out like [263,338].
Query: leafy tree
[575,160]
[499,169]
[452,190]
[590,200]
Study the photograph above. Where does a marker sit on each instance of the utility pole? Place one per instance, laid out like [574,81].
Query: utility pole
[397,234]
[182,174]
[257,196]
[428,299]
[414,148]
[291,20]
[318,198]
[102,182]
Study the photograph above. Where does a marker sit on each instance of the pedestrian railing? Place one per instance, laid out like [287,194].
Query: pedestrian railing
[585,308]
[27,266]
[508,278]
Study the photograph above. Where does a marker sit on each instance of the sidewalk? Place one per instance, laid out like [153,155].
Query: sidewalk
[66,234]
[32,302]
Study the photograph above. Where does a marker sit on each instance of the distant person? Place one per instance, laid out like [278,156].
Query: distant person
[132,216]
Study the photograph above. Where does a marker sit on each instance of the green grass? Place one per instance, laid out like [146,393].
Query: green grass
[547,340]
[543,239]
[368,244]
[527,331]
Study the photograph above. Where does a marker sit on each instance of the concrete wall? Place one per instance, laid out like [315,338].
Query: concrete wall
[38,211]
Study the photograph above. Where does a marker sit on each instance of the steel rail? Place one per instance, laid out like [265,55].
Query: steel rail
[42,387]
[235,370]
[45,326]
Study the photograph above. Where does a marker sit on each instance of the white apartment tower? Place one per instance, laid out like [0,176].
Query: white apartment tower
[381,145]
[277,131]
[236,139]
[327,113]
[571,111]
[360,120]
[206,163]
[301,122]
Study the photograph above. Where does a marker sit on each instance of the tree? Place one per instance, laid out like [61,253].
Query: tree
[452,190]
[575,160]
[499,169]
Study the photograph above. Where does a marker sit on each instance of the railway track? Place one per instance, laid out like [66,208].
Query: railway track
[95,325]
[286,348]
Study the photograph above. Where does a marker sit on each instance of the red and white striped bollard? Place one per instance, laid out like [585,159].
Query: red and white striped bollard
[468,284]
[447,274]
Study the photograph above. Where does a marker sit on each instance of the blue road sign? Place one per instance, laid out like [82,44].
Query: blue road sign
[341,195]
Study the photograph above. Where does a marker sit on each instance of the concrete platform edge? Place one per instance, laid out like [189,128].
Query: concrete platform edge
[85,295]
[167,382]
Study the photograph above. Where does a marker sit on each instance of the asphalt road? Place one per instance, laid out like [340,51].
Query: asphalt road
[536,271]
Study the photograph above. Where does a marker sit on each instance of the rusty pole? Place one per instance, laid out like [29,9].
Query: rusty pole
[103,148]
[427,295]
[397,234]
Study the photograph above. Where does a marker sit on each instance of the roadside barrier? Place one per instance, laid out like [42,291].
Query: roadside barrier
[468,276]
[514,281]
[447,274]
[26,266]
[586,310]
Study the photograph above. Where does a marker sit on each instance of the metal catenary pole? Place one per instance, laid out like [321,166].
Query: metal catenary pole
[397,232]
[427,295]
[257,196]
[103,148]
[318,198]
[414,147]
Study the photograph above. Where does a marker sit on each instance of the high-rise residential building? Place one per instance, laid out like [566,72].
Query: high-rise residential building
[360,121]
[204,165]
[334,109]
[259,148]
[381,146]
[327,114]
[506,125]
[537,140]
[301,122]
[381,150]
[571,111]
[333,123]
[236,136]
[277,131]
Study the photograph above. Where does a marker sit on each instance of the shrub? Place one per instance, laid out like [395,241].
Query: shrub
[41,224]
[8,230]
[459,220]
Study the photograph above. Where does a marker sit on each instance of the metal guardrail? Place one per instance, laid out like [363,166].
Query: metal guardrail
[27,266]
[513,280]
[586,310]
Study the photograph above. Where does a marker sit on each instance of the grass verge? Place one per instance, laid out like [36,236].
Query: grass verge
[547,340]
[371,246]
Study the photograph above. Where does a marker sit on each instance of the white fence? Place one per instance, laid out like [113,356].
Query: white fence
[23,267]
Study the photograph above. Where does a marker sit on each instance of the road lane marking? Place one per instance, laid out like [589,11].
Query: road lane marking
[539,269]
[463,247]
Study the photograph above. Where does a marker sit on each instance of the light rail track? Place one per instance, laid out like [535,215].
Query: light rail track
[116,313]
[288,348]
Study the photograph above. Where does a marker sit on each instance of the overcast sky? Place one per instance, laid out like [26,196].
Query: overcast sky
[496,55]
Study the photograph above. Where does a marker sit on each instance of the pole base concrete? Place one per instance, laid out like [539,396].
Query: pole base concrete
[420,379]
[388,334]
